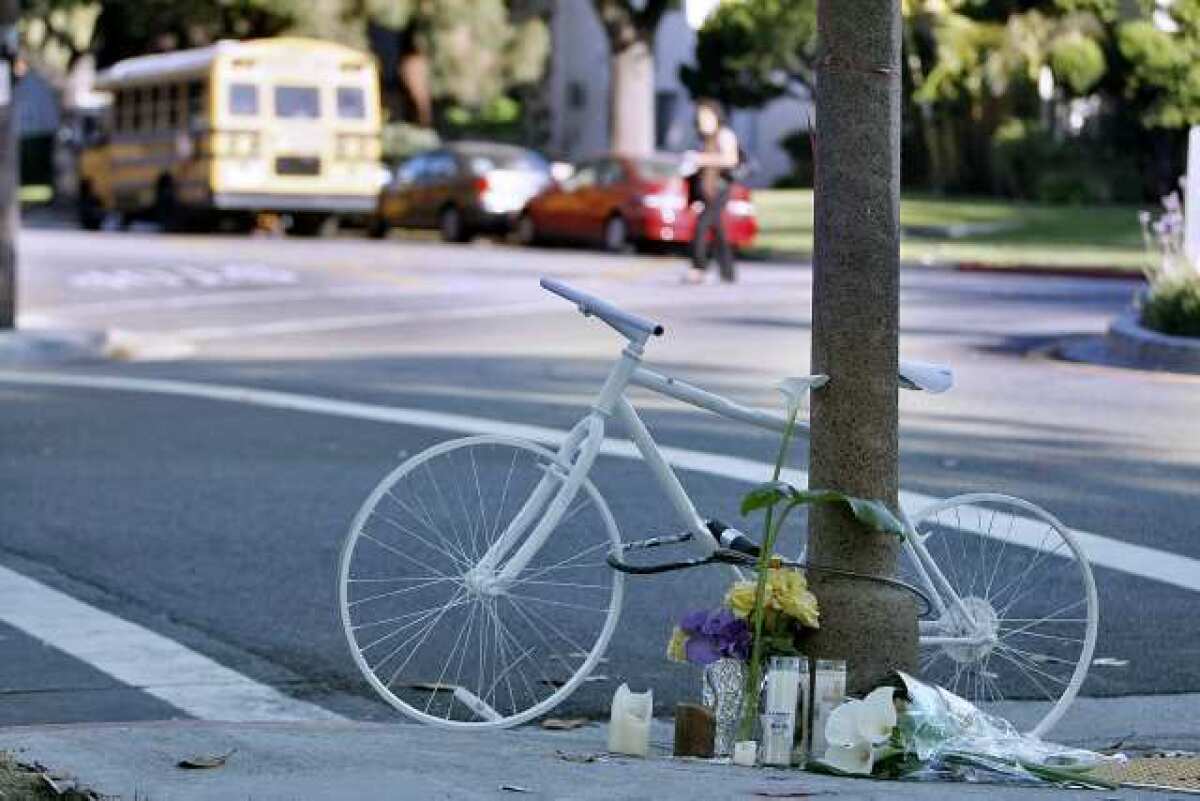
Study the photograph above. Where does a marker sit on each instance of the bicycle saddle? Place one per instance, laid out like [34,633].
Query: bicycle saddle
[935,378]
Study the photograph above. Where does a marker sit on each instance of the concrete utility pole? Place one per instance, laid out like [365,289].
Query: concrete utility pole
[10,12]
[856,272]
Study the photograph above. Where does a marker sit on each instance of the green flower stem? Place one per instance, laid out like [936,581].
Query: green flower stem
[771,532]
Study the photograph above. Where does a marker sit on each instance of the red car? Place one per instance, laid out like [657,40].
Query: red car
[617,201]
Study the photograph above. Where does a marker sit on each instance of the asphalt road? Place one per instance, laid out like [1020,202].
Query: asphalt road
[218,523]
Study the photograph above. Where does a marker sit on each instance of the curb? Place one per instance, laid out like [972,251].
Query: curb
[29,348]
[1098,273]
[1129,341]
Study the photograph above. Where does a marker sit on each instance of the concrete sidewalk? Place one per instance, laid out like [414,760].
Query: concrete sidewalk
[349,761]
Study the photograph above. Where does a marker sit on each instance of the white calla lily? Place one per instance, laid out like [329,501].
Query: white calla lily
[857,759]
[841,727]
[876,716]
[796,389]
[858,731]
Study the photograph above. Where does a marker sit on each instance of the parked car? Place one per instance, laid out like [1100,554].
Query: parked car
[461,189]
[617,201]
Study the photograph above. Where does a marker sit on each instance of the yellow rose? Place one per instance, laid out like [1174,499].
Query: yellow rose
[790,595]
[676,647]
[740,598]
[786,593]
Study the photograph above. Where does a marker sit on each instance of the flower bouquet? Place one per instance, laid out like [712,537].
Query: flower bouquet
[915,730]
[721,641]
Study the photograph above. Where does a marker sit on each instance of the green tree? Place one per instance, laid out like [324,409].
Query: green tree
[63,31]
[1163,57]
[465,53]
[749,52]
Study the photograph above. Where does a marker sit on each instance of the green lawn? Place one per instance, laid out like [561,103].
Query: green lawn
[1020,234]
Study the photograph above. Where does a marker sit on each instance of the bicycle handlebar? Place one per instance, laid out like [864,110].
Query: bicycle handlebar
[631,325]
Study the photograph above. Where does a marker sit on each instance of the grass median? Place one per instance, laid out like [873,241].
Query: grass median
[975,232]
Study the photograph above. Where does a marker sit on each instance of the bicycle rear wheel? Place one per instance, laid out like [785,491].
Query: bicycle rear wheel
[1024,579]
[439,645]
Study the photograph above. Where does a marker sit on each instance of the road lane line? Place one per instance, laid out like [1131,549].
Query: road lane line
[350,322]
[237,297]
[1136,560]
[143,659]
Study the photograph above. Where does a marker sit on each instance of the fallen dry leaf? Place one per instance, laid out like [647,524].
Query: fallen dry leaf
[563,724]
[205,762]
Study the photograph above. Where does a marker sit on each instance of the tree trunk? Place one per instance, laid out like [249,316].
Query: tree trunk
[855,334]
[630,34]
[632,96]
[916,71]
[9,213]
[413,70]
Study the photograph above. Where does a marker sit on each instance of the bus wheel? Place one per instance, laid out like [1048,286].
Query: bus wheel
[166,208]
[91,213]
[311,224]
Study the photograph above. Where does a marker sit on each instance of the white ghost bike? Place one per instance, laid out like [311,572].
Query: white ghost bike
[477,589]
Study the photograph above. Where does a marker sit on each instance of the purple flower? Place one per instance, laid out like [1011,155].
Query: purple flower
[693,622]
[701,650]
[713,634]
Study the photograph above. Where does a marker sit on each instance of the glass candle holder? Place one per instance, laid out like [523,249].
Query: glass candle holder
[828,683]
[781,694]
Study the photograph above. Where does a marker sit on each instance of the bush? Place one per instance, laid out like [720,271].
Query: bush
[798,146]
[498,121]
[1030,163]
[1073,186]
[1173,307]
[401,139]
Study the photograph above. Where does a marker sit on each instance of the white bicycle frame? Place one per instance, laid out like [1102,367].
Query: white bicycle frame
[540,514]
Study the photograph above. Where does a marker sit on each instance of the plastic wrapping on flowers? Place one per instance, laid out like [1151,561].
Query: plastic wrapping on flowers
[935,735]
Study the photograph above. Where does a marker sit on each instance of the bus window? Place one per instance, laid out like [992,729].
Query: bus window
[135,115]
[120,98]
[195,101]
[351,103]
[154,109]
[173,106]
[297,101]
[243,99]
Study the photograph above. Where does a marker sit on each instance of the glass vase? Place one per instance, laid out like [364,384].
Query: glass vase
[724,688]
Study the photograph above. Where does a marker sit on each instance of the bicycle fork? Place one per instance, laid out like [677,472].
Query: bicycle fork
[541,511]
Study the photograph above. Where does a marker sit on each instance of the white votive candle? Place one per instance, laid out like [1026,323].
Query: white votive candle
[745,753]
[629,723]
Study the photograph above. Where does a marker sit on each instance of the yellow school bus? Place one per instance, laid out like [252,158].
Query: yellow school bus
[286,125]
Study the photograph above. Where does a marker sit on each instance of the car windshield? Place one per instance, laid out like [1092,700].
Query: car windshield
[297,101]
[526,161]
[658,169]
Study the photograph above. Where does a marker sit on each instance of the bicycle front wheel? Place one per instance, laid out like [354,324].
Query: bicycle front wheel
[1026,629]
[444,647]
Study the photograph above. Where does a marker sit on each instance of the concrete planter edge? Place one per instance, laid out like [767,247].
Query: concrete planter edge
[1129,340]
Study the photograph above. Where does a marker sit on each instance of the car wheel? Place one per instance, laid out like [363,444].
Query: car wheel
[616,234]
[91,215]
[527,233]
[377,227]
[452,225]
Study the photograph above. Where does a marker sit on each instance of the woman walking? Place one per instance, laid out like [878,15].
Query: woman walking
[715,163]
